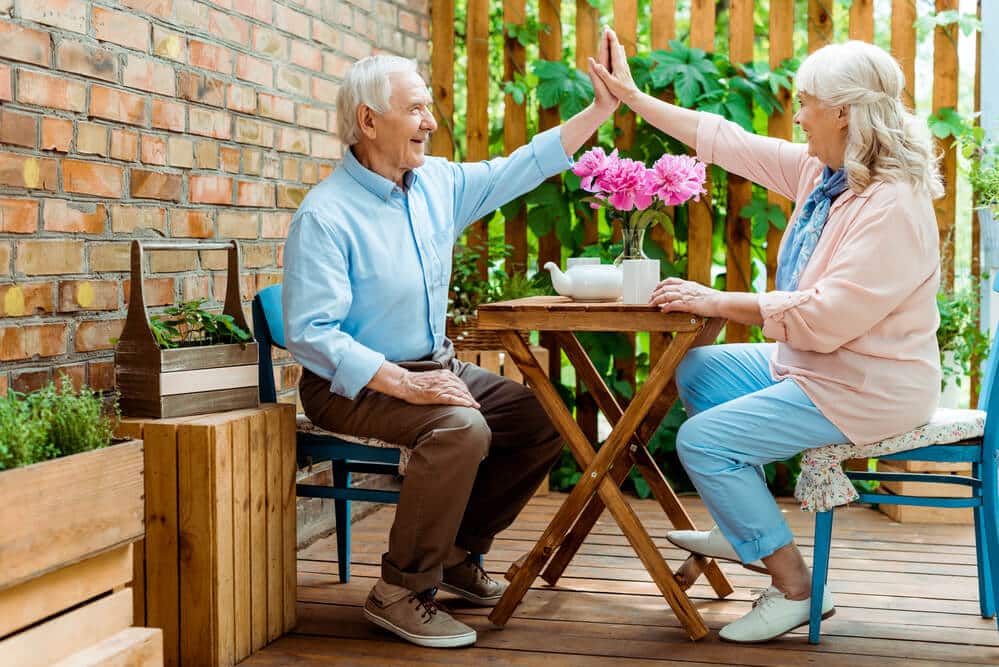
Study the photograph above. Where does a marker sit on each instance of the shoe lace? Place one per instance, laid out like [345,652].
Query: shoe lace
[766,597]
[427,605]
[480,573]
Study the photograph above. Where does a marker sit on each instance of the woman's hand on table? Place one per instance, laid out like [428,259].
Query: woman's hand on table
[687,296]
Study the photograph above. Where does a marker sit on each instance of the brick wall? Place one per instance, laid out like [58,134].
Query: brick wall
[193,119]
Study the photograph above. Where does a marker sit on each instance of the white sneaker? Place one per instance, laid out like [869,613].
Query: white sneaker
[711,543]
[773,615]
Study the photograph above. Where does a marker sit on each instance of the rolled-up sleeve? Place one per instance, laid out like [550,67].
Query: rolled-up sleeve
[862,285]
[775,164]
[316,300]
[482,187]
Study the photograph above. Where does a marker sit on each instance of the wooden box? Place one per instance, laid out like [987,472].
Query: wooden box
[914,514]
[67,529]
[160,383]
[217,570]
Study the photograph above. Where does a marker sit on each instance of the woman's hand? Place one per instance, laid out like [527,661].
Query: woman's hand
[613,69]
[603,99]
[675,294]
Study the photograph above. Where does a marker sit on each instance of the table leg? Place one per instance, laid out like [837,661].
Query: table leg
[595,479]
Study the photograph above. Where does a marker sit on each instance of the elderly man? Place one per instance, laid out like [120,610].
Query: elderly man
[367,268]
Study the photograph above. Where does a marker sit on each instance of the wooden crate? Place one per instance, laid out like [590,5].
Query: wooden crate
[67,529]
[499,362]
[183,381]
[912,514]
[217,569]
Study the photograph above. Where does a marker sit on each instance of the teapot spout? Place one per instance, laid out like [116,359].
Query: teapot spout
[560,281]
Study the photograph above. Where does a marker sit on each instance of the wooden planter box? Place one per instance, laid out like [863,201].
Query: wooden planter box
[66,533]
[217,569]
[913,514]
[178,382]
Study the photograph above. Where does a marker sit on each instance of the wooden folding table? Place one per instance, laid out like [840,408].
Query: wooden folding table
[607,469]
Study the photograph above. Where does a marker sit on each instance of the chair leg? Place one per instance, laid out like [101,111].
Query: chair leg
[341,480]
[986,597]
[820,571]
[990,510]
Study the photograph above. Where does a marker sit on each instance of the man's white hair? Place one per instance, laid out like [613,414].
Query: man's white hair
[367,82]
[884,140]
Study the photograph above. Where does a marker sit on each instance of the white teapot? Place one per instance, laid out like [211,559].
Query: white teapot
[587,282]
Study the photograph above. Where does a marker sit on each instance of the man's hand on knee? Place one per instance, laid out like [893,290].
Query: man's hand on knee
[441,387]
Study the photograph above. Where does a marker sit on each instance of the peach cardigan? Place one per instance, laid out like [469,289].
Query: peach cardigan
[859,333]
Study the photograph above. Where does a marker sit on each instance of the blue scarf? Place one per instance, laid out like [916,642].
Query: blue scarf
[804,235]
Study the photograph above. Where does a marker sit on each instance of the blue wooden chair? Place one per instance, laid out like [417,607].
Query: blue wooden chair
[315,446]
[983,455]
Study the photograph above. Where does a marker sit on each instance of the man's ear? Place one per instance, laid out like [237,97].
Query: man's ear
[366,120]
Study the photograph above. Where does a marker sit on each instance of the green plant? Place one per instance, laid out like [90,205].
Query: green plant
[53,422]
[981,153]
[190,325]
[958,332]
[469,288]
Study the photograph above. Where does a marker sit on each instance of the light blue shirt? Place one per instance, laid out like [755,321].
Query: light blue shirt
[367,264]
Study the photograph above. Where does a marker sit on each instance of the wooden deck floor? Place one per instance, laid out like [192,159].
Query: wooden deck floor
[905,595]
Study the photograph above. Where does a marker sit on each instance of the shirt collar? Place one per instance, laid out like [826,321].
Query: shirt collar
[377,184]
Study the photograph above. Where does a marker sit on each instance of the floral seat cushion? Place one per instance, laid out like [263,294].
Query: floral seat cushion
[822,483]
[306,426]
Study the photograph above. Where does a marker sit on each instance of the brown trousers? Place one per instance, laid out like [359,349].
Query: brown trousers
[470,473]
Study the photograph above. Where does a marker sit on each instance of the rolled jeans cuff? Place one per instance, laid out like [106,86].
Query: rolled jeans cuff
[414,581]
[763,545]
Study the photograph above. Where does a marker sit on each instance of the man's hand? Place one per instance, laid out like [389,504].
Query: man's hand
[613,70]
[441,387]
[603,99]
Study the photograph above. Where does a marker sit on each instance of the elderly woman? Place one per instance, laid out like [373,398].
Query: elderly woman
[853,316]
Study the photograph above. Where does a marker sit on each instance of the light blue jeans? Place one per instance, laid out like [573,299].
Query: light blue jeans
[740,419]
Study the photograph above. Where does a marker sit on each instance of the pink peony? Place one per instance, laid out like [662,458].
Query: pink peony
[676,178]
[591,166]
[625,181]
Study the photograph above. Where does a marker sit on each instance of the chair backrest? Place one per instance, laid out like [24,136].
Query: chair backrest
[268,327]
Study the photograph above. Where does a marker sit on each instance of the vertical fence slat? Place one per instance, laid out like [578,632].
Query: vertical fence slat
[779,124]
[976,239]
[477,117]
[701,219]
[903,44]
[663,29]
[738,232]
[820,24]
[442,77]
[945,71]
[587,38]
[862,20]
[626,27]
[514,133]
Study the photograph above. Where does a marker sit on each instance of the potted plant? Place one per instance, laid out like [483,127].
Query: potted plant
[71,505]
[191,361]
[960,341]
[983,174]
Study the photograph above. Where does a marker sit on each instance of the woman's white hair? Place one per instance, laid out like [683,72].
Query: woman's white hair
[884,140]
[367,82]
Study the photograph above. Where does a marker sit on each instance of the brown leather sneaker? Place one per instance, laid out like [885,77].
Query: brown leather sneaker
[417,618]
[468,580]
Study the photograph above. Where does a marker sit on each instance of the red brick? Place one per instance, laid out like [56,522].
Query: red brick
[91,138]
[169,44]
[290,21]
[46,340]
[57,134]
[242,98]
[324,169]
[254,132]
[173,262]
[91,178]
[107,257]
[230,159]
[124,145]
[122,28]
[25,44]
[290,196]
[354,47]
[278,108]
[22,171]
[258,9]
[208,123]
[77,295]
[275,225]
[272,167]
[154,150]
[238,225]
[29,380]
[5,255]
[96,335]
[20,300]
[252,161]
[18,129]
[228,27]
[156,291]
[253,69]
[149,75]
[289,169]
[100,375]
[335,65]
[168,115]
[68,14]
[305,55]
[310,172]
[191,13]
[205,189]
[325,34]
[201,88]
[117,105]
[409,22]
[293,140]
[255,193]
[257,255]
[313,117]
[194,287]
[325,146]
[50,91]
[12,344]
[18,216]
[292,81]
[210,56]
[188,223]
[180,152]
[155,185]
[49,257]
[269,43]
[206,155]
[128,219]
[247,285]
[6,87]
[73,217]
[161,8]
[94,61]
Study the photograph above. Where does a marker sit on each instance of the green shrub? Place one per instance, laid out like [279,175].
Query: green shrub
[190,325]
[52,422]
